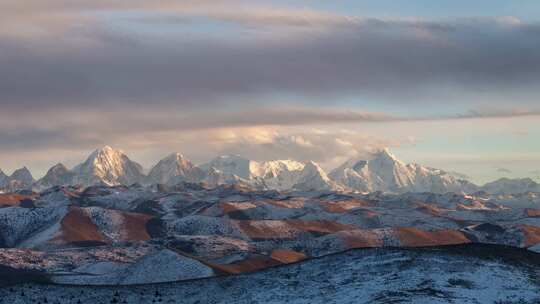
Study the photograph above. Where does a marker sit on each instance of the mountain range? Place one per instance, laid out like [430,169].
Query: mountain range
[382,172]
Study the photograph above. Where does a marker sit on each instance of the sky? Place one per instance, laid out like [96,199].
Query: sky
[447,84]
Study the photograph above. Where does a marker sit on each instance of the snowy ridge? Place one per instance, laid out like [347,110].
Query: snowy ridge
[511,186]
[275,175]
[382,172]
[174,169]
[388,174]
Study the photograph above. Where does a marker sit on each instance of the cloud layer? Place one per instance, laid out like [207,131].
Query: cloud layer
[267,81]
[313,55]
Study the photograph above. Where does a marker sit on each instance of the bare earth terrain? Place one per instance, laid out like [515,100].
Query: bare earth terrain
[484,246]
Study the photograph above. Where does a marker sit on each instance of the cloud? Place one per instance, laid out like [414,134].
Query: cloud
[121,121]
[535,173]
[38,138]
[503,170]
[493,113]
[88,128]
[50,15]
[173,75]
[459,175]
[53,128]
[96,61]
[330,148]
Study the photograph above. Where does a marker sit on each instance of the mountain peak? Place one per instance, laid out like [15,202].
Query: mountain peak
[174,158]
[176,155]
[105,150]
[384,172]
[384,154]
[173,169]
[387,160]
[22,174]
[108,157]
[110,166]
[311,165]
[59,167]
[315,168]
[509,186]
[232,165]
[20,178]
[313,177]
[57,175]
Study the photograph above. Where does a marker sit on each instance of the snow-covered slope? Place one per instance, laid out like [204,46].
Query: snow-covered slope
[214,177]
[313,178]
[294,175]
[108,166]
[165,265]
[110,235]
[438,181]
[384,172]
[445,275]
[275,175]
[173,169]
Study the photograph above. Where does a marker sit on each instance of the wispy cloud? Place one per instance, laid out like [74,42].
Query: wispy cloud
[87,128]
[494,113]
[330,148]
[459,175]
[503,170]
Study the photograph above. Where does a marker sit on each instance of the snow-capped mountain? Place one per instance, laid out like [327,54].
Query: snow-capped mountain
[279,174]
[438,181]
[313,177]
[275,175]
[275,168]
[19,179]
[511,186]
[173,169]
[108,166]
[384,172]
[56,176]
[227,170]
[214,177]
[23,175]
[232,165]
